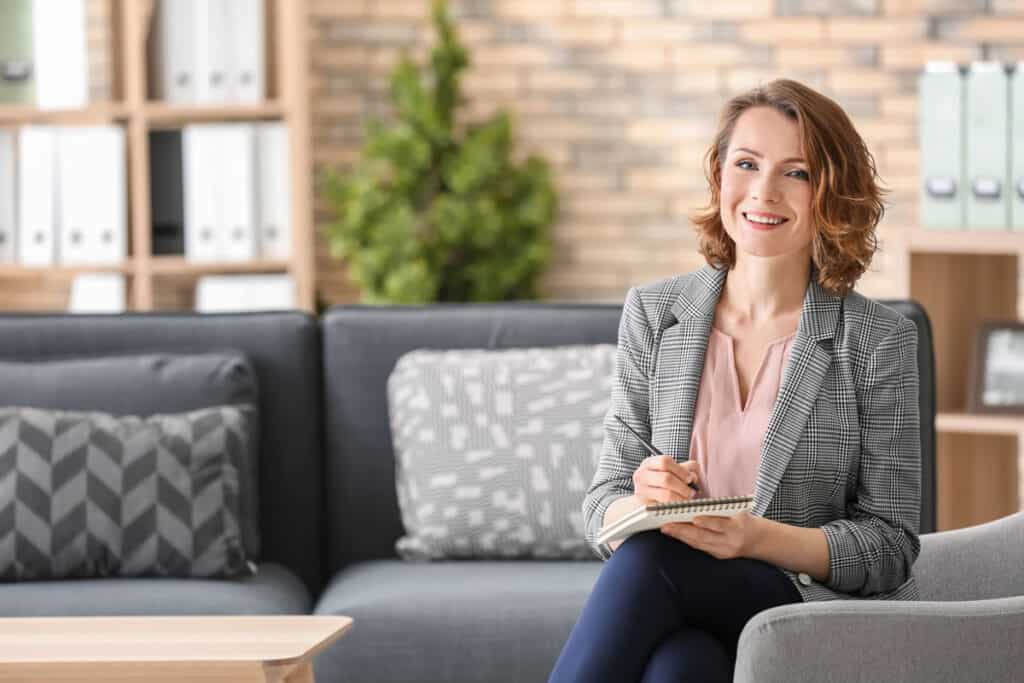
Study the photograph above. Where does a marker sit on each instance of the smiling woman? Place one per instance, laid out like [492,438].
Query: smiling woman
[762,374]
[808,159]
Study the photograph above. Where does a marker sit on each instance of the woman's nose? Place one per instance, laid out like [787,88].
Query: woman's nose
[765,190]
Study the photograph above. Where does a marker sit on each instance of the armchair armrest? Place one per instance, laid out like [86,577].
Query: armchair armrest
[853,640]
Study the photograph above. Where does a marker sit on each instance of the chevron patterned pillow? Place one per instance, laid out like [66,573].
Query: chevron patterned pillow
[85,494]
[494,450]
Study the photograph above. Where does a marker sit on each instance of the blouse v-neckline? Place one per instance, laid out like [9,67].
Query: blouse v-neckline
[743,402]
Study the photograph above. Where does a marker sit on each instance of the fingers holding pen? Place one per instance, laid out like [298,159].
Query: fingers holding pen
[662,480]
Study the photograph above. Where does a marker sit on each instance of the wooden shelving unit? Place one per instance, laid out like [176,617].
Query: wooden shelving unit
[963,278]
[287,101]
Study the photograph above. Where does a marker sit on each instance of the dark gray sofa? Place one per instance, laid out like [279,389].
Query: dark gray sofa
[456,621]
[329,513]
[284,351]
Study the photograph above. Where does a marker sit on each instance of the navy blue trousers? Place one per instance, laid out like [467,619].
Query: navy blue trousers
[663,611]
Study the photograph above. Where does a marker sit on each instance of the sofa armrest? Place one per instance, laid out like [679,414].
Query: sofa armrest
[852,640]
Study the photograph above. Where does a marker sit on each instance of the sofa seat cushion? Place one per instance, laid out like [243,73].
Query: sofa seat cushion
[273,590]
[453,621]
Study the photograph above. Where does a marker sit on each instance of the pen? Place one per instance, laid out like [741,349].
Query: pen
[650,447]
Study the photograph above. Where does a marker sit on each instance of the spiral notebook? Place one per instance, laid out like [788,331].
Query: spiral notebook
[654,516]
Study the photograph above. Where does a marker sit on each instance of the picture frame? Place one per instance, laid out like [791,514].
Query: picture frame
[996,382]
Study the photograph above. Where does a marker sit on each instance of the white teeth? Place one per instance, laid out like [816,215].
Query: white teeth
[766,221]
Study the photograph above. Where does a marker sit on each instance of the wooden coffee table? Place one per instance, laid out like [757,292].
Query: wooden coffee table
[187,648]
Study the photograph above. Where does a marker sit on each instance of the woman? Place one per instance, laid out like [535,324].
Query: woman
[762,373]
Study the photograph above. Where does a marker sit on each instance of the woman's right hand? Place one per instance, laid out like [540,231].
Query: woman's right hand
[660,479]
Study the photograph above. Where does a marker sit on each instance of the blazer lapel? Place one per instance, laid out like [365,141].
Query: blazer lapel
[809,361]
[681,361]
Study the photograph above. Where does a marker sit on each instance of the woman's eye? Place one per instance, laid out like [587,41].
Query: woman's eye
[746,164]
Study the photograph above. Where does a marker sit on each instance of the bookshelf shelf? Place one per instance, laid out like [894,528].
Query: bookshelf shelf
[153,280]
[967,423]
[16,115]
[176,265]
[966,242]
[162,115]
[30,272]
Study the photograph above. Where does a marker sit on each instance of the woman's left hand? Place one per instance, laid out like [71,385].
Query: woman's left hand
[721,537]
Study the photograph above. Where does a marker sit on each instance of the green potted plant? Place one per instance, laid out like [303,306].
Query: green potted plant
[433,213]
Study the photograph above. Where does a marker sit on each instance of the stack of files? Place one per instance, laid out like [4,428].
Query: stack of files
[941,131]
[92,206]
[237,293]
[37,195]
[59,48]
[97,293]
[1017,163]
[274,192]
[165,191]
[988,138]
[208,51]
[236,192]
[43,53]
[8,194]
[17,80]
[71,205]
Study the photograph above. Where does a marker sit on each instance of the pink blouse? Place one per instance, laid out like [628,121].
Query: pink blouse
[727,437]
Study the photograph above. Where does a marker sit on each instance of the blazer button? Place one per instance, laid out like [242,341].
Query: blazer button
[804,579]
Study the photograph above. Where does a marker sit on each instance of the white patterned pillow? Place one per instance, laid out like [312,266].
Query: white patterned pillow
[494,450]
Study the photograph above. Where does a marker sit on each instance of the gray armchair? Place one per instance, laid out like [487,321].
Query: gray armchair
[968,626]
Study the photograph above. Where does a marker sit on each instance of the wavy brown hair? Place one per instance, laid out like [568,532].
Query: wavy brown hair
[846,203]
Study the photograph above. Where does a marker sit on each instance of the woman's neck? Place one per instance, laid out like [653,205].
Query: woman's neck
[759,290]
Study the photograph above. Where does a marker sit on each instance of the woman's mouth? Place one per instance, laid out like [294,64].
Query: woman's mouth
[763,221]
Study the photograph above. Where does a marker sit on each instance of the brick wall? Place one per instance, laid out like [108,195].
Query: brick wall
[622,97]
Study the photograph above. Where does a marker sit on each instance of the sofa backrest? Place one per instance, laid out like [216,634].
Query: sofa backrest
[926,404]
[284,350]
[361,345]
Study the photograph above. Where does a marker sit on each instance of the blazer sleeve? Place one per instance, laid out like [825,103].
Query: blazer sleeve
[621,454]
[873,549]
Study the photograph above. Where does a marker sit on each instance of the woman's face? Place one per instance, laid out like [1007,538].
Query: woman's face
[765,181]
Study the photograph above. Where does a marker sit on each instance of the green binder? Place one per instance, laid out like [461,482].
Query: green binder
[17,81]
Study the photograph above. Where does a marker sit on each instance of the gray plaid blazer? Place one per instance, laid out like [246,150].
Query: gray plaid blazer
[842,450]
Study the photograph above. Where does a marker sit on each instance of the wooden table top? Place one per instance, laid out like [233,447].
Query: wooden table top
[270,639]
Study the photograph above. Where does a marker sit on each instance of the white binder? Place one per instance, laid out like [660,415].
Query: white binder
[245,67]
[37,187]
[8,191]
[91,223]
[97,293]
[61,65]
[200,168]
[237,178]
[274,191]
[941,125]
[173,51]
[1017,162]
[988,201]
[233,293]
[211,36]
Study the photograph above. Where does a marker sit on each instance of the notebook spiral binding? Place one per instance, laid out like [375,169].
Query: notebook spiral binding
[696,506]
